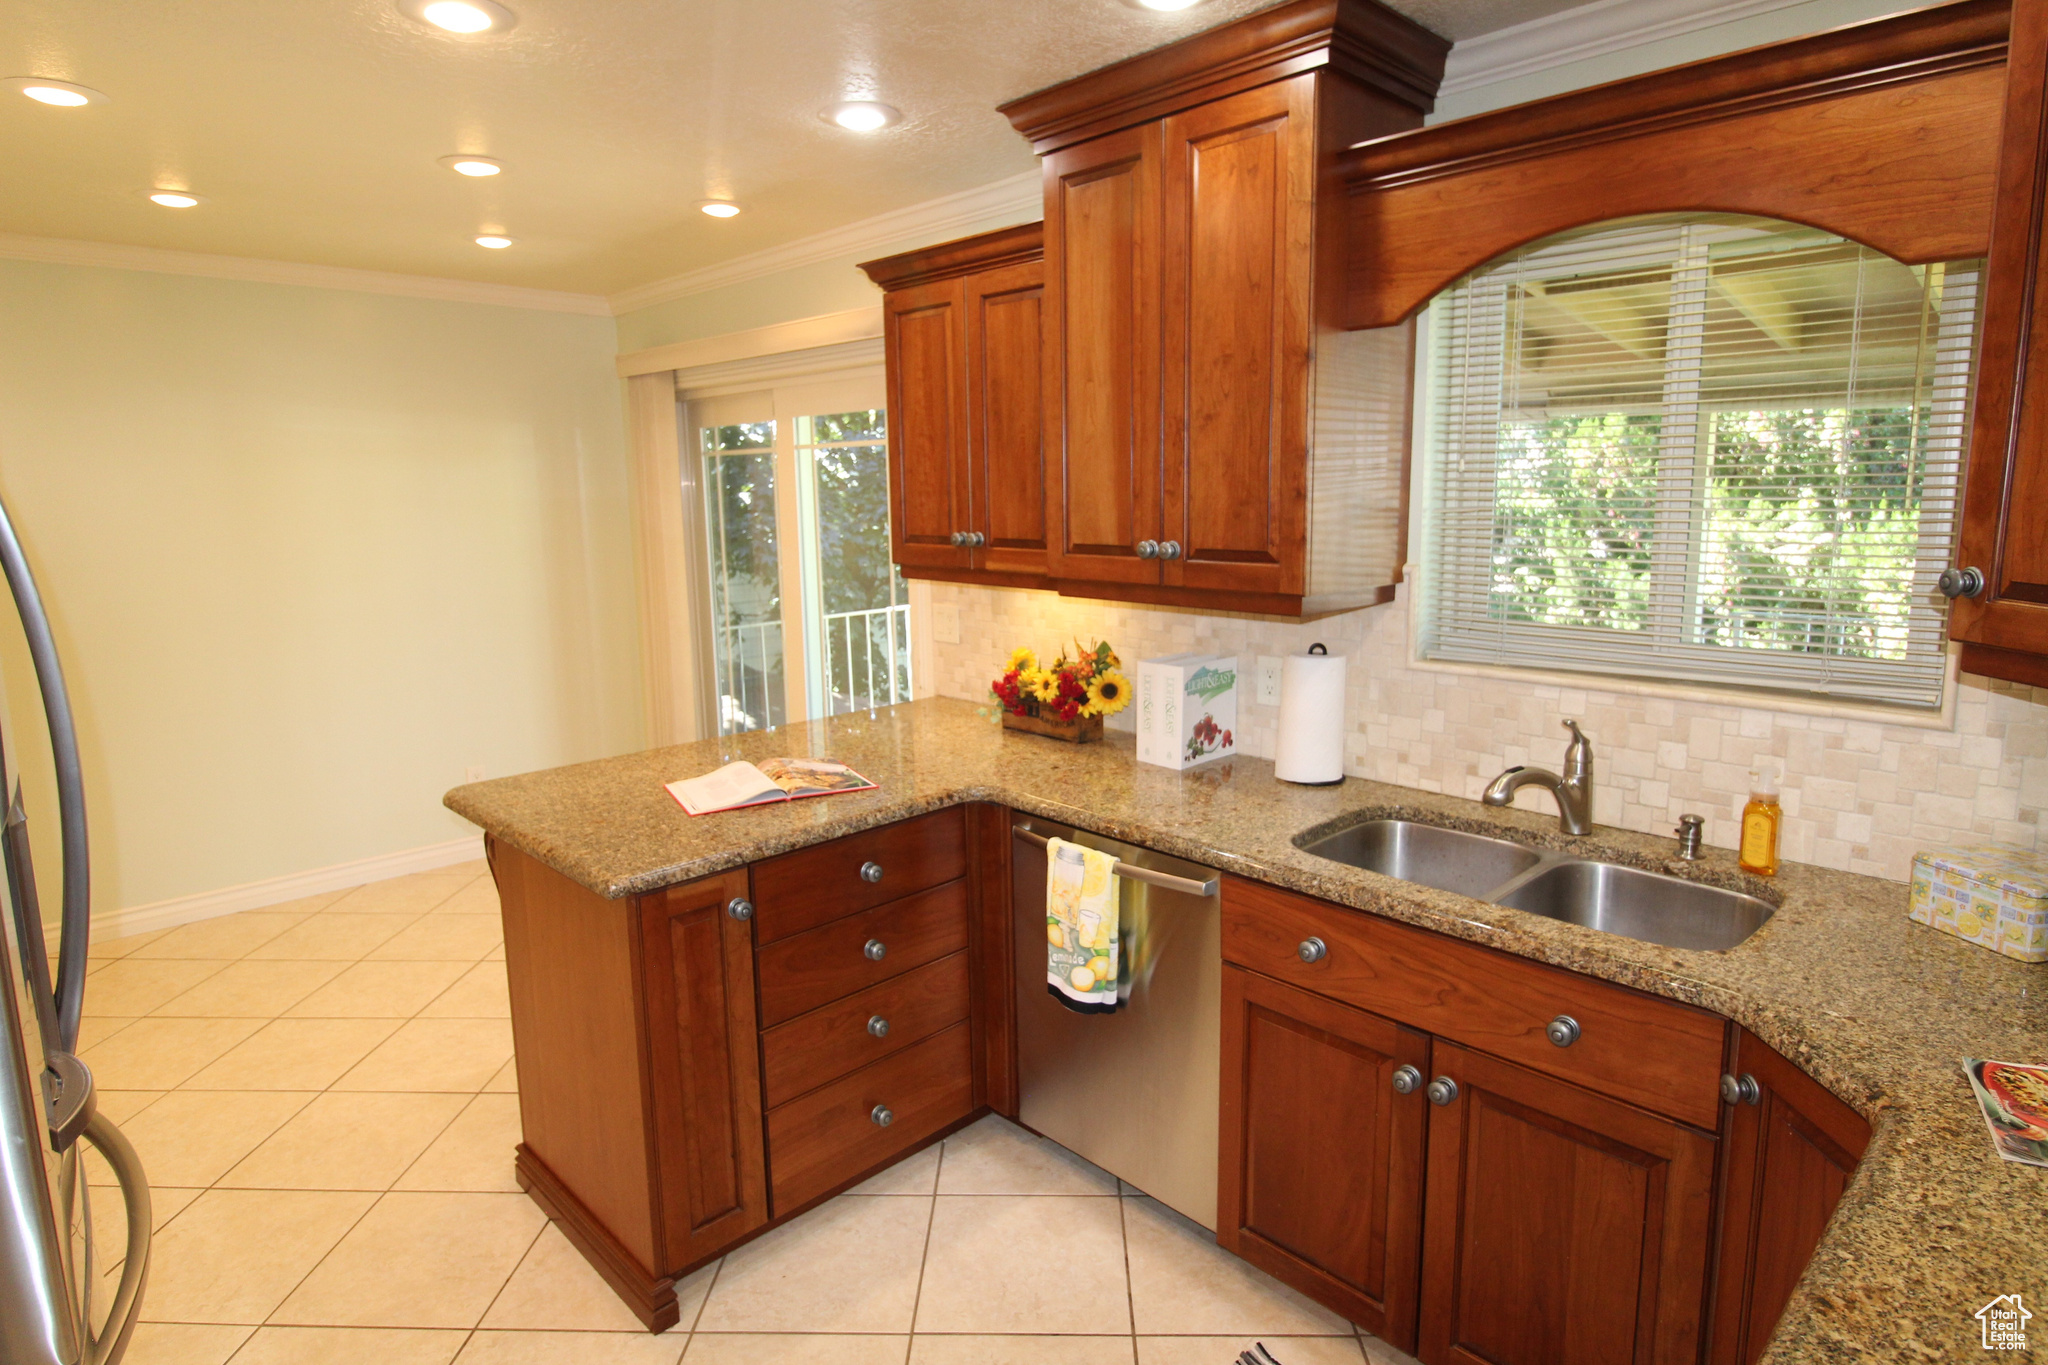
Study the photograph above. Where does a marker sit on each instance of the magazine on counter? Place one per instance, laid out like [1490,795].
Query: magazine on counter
[2014,1099]
[757,784]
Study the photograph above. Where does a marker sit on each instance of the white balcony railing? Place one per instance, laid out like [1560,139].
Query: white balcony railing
[867,658]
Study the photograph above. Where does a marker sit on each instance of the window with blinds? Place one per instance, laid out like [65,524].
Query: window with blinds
[1720,450]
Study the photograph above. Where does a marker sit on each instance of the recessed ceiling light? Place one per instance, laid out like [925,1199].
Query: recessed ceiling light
[175,199]
[1165,4]
[62,94]
[494,241]
[719,208]
[472,165]
[861,116]
[466,17]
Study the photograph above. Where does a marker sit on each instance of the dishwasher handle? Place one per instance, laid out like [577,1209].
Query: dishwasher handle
[1187,886]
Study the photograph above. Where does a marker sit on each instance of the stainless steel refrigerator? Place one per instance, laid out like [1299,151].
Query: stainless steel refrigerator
[47,1114]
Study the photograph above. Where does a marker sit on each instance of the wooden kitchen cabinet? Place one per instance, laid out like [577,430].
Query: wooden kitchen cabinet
[1789,1148]
[702,1061]
[1548,1203]
[704,1068]
[1562,1225]
[1213,439]
[962,336]
[2004,622]
[1321,1156]
[639,1093]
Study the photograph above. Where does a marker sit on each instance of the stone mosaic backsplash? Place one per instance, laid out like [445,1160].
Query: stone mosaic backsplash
[1859,795]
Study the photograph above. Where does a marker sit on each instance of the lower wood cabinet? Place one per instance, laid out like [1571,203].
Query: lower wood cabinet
[694,1066]
[1562,1226]
[1321,1155]
[704,1072]
[1412,1138]
[1789,1150]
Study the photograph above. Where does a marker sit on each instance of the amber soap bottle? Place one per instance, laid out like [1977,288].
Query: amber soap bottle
[1760,821]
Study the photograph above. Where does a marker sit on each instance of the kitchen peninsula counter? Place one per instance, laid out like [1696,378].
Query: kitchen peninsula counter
[1878,1009]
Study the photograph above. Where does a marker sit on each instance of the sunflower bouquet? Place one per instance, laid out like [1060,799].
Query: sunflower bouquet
[1089,684]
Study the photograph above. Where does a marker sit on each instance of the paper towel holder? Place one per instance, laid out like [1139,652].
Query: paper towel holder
[1316,650]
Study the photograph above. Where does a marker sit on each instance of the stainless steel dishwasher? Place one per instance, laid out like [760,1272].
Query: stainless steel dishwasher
[1135,1092]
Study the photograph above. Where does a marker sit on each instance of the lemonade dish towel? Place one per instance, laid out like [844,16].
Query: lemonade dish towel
[1080,927]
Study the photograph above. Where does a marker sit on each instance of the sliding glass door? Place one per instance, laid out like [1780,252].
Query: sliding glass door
[809,616]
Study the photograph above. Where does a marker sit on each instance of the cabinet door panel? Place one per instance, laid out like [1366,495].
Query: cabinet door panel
[1006,416]
[1788,1159]
[1238,181]
[1102,375]
[1563,1228]
[1320,1177]
[704,1067]
[929,480]
[2006,495]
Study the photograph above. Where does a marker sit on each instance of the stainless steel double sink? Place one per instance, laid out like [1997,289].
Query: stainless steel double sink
[1606,896]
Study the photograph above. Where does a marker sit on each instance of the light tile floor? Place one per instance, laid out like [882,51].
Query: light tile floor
[323,1097]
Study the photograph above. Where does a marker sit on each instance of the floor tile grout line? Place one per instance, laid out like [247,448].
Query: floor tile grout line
[510,1275]
[924,1257]
[1123,1228]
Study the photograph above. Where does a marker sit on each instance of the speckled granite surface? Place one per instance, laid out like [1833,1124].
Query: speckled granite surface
[1877,1008]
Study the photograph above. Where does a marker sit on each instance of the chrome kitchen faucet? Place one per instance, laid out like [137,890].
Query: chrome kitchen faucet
[1574,791]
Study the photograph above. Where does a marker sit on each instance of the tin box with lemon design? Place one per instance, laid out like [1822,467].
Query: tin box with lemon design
[1991,894]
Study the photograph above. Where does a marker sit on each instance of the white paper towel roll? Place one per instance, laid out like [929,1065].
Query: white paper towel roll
[1311,718]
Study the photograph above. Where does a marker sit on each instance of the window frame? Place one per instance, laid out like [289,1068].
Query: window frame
[1678,562]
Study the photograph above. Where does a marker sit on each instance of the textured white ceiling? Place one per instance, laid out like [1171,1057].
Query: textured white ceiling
[312,126]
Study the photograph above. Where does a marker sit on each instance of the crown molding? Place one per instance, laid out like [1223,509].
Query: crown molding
[1586,31]
[1019,197]
[696,358]
[157,260]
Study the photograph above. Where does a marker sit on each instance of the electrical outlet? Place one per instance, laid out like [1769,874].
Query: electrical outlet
[946,623]
[1269,680]
[473,773]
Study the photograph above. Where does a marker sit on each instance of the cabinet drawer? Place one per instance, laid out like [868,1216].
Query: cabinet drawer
[830,1135]
[1656,1053]
[820,965]
[834,1039]
[802,890]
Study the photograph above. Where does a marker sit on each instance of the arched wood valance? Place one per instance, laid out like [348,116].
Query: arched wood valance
[1884,132]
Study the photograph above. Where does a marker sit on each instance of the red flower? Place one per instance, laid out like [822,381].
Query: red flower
[1226,739]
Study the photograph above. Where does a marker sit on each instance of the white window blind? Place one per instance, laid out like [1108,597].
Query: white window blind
[1711,449]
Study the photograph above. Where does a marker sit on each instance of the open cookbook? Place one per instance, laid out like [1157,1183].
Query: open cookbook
[757,784]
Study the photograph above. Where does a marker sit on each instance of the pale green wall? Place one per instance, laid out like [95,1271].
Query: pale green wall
[310,554]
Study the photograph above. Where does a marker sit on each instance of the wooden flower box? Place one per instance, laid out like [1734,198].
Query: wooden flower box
[1084,730]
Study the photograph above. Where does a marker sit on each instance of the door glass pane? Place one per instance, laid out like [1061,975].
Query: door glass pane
[861,605]
[746,596]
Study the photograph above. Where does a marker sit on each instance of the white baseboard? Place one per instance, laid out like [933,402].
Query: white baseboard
[144,919]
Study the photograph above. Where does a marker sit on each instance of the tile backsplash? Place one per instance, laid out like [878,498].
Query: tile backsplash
[1859,795]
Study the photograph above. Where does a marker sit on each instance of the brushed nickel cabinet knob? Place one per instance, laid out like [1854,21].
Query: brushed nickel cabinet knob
[882,1116]
[1406,1078]
[1442,1091]
[1562,1031]
[1312,950]
[871,873]
[739,907]
[878,1026]
[875,950]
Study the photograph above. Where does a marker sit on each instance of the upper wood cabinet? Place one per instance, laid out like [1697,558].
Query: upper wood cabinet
[2004,623]
[962,332]
[1212,439]
[1788,1150]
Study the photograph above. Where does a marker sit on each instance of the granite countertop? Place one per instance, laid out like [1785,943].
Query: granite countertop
[1878,1009]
